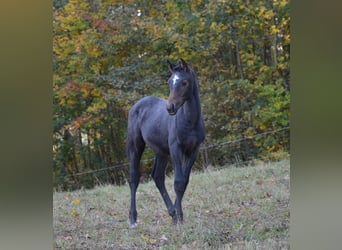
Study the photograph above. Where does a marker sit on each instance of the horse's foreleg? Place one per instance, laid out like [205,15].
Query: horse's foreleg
[180,183]
[182,175]
[158,175]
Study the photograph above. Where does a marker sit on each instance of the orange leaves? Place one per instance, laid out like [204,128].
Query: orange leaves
[76,42]
[100,24]
[76,90]
[73,95]
[76,124]
[149,240]
[76,201]
[110,53]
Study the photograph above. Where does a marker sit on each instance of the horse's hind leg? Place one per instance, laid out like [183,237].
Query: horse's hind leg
[158,175]
[134,152]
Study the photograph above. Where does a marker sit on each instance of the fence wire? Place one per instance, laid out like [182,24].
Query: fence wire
[202,148]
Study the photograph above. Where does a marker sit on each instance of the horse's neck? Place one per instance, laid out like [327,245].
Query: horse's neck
[191,110]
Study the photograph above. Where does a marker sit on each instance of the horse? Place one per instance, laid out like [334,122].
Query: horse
[171,128]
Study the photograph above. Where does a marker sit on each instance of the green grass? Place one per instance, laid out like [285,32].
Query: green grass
[231,208]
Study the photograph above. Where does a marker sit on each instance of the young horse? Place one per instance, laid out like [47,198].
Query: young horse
[172,128]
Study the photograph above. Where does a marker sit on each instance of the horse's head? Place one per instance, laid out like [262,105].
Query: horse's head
[181,85]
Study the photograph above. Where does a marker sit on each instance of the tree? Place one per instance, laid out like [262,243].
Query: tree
[110,53]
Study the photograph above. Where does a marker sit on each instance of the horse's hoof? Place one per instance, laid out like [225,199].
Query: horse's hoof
[134,225]
[177,223]
[177,220]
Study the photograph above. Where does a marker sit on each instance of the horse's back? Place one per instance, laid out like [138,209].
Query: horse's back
[148,101]
[147,107]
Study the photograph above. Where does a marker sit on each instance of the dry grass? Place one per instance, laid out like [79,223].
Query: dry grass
[232,208]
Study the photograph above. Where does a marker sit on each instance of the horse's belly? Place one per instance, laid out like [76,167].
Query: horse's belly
[158,148]
[157,141]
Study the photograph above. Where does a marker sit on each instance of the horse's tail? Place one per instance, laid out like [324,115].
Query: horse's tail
[134,141]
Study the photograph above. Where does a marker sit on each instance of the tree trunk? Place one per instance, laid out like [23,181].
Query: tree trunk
[238,60]
[91,165]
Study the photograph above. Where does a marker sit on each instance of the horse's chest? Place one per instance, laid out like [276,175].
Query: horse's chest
[189,139]
[186,133]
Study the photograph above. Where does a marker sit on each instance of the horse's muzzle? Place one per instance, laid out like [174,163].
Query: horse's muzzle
[170,107]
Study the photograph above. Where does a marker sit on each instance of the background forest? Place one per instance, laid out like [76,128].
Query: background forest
[107,54]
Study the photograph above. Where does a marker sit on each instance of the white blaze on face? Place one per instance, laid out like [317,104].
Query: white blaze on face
[174,80]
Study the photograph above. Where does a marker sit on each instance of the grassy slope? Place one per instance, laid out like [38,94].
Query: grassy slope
[232,208]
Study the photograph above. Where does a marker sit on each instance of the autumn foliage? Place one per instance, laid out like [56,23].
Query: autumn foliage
[108,54]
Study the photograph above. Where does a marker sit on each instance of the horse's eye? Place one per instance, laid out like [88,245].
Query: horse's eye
[184,83]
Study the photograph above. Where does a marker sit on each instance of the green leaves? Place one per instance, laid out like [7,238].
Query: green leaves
[109,54]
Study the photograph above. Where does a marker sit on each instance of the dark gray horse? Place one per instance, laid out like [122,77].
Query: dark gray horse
[172,128]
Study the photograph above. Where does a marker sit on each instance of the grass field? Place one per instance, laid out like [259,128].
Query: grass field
[230,208]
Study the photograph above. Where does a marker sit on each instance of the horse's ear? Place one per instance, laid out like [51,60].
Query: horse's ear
[170,65]
[184,65]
